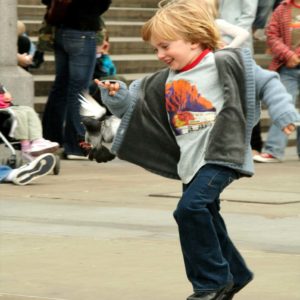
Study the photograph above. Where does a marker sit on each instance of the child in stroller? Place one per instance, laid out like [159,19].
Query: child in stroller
[22,124]
[28,129]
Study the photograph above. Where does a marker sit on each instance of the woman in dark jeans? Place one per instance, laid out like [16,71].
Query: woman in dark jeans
[75,56]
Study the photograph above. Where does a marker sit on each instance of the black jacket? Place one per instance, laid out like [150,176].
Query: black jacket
[84,14]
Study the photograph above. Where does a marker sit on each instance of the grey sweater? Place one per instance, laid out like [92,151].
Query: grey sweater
[146,139]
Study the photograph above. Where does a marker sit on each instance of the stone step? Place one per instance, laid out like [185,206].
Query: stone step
[133,63]
[43,83]
[123,45]
[115,28]
[36,13]
[118,3]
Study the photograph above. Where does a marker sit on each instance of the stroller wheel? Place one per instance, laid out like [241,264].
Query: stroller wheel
[12,161]
[56,168]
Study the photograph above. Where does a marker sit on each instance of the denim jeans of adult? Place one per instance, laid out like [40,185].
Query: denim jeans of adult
[264,8]
[75,56]
[276,140]
[4,172]
[211,259]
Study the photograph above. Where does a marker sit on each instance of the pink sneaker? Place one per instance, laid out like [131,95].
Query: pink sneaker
[266,158]
[41,146]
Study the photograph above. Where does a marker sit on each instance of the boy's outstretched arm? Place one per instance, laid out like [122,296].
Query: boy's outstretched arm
[279,102]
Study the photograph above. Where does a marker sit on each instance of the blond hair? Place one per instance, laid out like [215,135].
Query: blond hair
[213,7]
[189,20]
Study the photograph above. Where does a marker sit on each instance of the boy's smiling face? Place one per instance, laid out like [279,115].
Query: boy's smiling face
[176,54]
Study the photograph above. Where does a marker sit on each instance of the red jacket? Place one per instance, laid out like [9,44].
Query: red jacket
[279,36]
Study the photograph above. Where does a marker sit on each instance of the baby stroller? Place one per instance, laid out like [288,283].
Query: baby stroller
[10,148]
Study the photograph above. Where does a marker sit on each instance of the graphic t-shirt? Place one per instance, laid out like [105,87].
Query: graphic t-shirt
[193,99]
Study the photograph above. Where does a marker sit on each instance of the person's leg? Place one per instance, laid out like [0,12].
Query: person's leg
[276,141]
[256,140]
[4,172]
[238,268]
[21,131]
[81,48]
[55,109]
[206,267]
[23,44]
[264,8]
[37,168]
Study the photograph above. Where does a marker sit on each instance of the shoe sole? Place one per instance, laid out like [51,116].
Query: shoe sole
[260,159]
[38,168]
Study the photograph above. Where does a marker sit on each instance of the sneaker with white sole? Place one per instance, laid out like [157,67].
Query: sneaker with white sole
[266,158]
[40,166]
[41,146]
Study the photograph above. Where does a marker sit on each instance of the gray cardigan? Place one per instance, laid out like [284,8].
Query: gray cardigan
[146,139]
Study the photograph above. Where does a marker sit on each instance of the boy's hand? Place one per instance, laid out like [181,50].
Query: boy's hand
[112,86]
[289,129]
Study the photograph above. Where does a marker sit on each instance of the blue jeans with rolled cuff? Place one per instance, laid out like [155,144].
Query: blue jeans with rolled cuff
[211,259]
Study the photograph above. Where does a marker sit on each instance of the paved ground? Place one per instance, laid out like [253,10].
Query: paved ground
[106,231]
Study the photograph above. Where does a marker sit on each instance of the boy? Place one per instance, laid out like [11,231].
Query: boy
[188,122]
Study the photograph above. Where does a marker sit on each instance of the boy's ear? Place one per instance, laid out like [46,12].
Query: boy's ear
[196,46]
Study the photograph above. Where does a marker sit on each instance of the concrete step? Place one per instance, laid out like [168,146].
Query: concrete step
[115,28]
[43,83]
[133,63]
[36,12]
[123,45]
[118,3]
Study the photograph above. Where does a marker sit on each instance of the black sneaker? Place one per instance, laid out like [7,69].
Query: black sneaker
[40,166]
[234,290]
[215,295]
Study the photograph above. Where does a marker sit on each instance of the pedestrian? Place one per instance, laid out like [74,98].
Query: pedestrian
[193,121]
[75,57]
[240,13]
[283,36]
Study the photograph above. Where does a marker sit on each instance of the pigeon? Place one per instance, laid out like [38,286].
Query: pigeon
[100,128]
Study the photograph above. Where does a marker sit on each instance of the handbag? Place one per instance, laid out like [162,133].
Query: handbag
[57,11]
[46,37]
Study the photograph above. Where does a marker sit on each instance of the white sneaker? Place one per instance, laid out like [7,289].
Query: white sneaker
[41,146]
[266,158]
[260,35]
[76,157]
[40,166]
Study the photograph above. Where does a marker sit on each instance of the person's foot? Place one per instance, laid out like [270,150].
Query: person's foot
[234,290]
[266,158]
[75,157]
[40,166]
[215,295]
[41,146]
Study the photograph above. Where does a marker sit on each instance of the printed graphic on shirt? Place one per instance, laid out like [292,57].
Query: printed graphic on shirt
[295,27]
[187,109]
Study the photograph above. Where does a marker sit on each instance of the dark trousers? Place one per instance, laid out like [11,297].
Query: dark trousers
[211,259]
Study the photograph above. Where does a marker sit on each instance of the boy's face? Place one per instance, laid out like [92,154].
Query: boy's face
[176,54]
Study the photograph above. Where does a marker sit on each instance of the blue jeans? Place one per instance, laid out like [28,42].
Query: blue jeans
[264,8]
[75,57]
[211,260]
[276,140]
[4,172]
